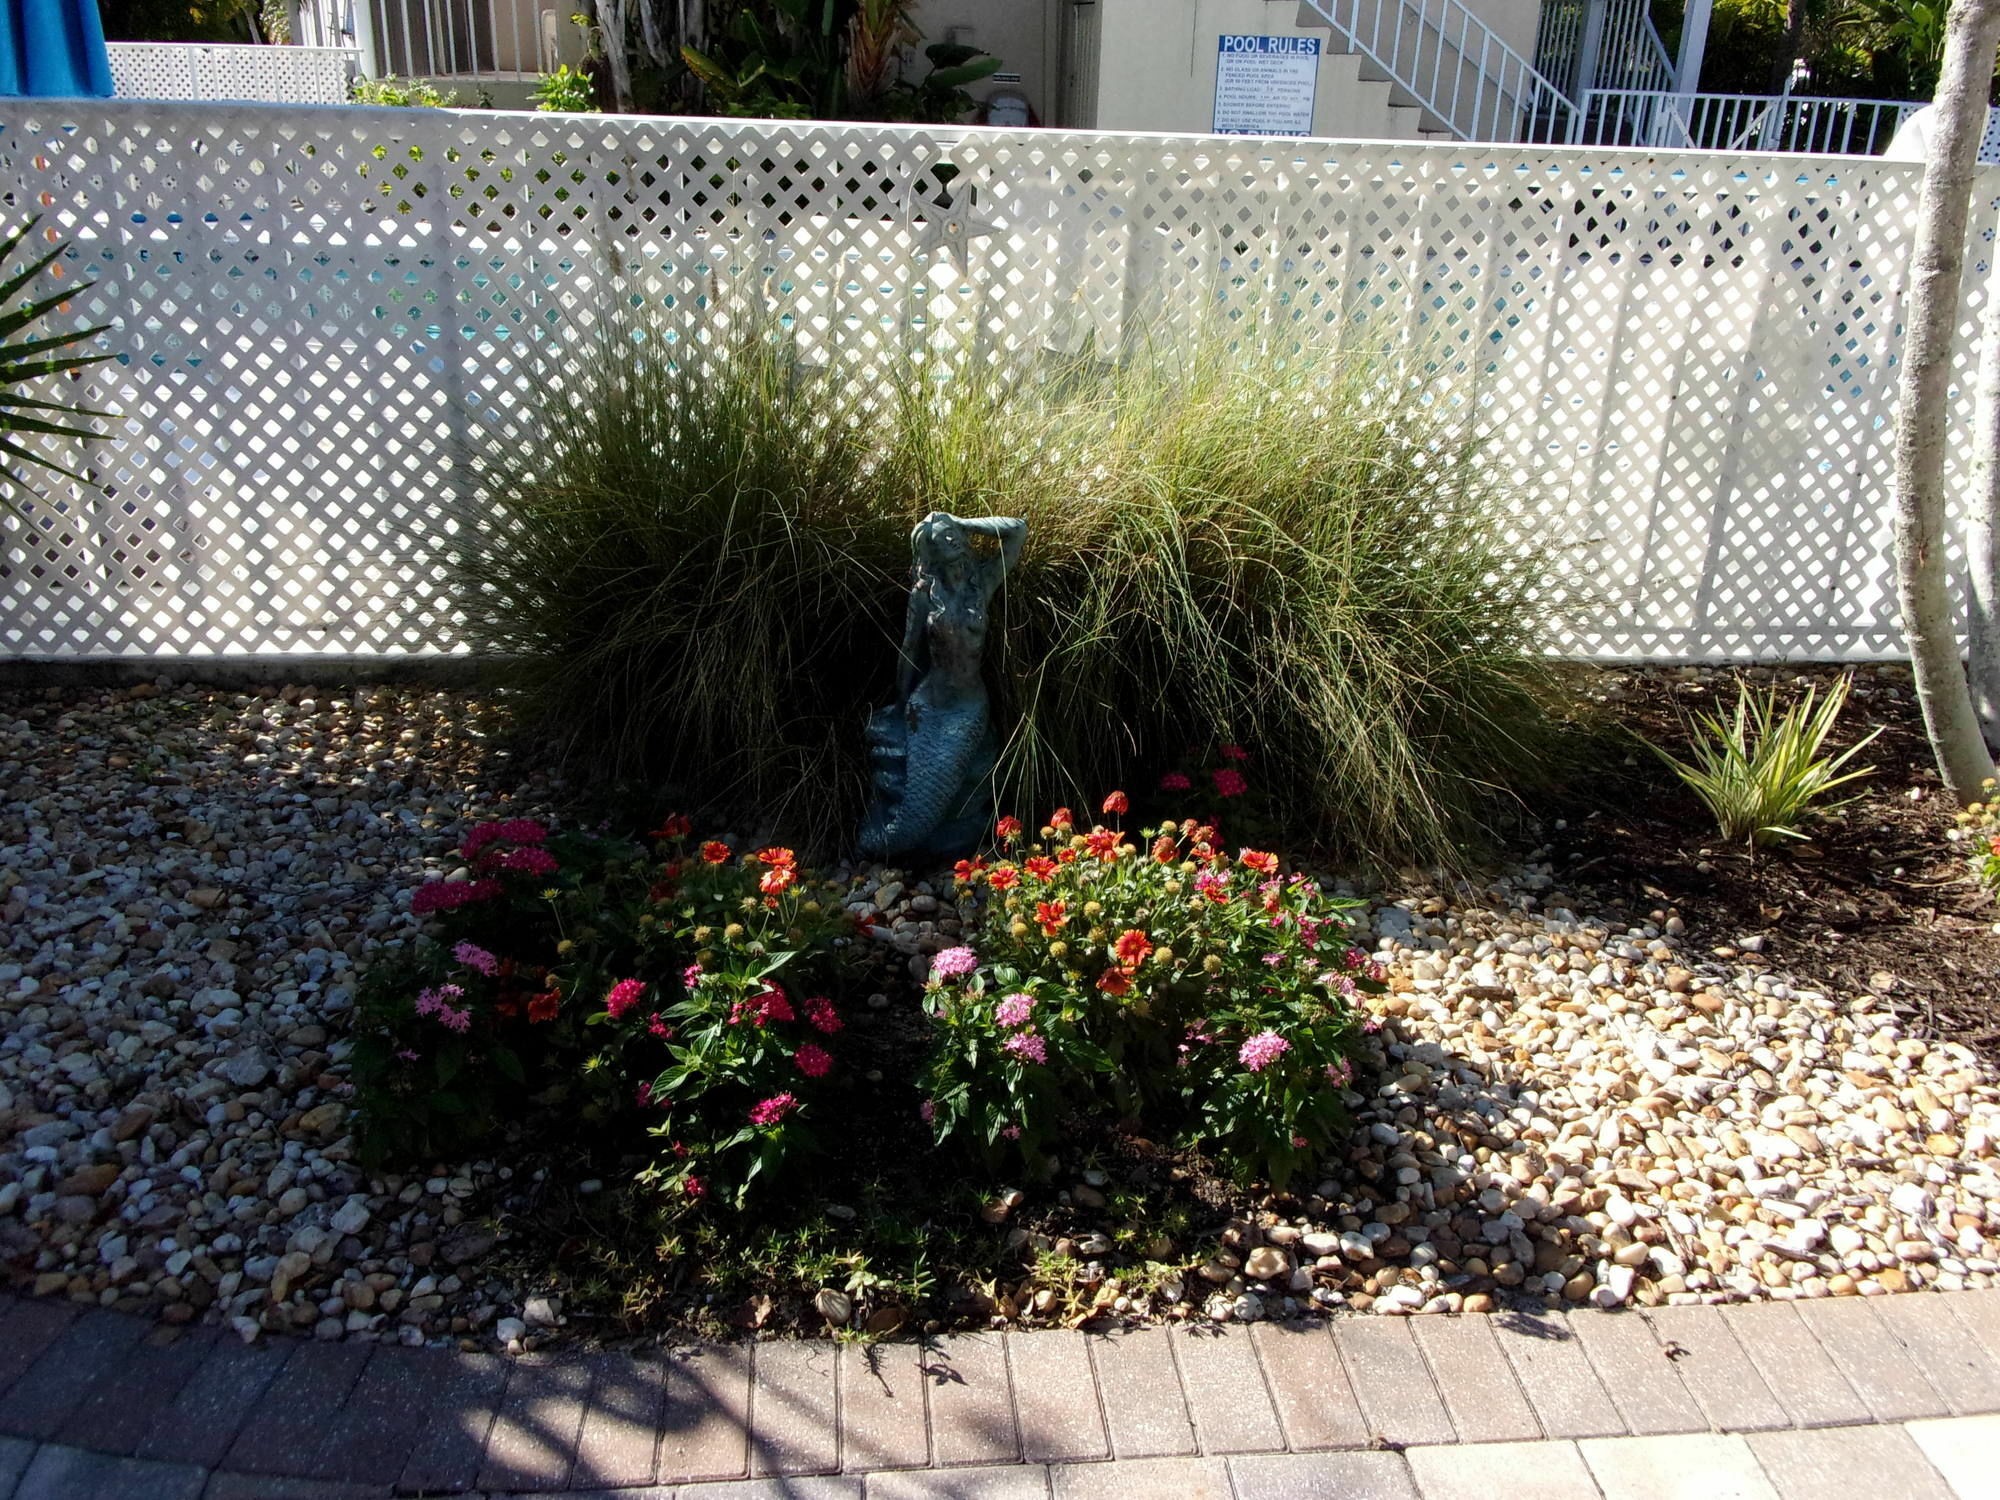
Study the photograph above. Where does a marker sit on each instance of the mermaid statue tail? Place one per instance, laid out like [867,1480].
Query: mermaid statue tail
[931,772]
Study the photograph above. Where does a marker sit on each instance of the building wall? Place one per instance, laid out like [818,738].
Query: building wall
[1026,35]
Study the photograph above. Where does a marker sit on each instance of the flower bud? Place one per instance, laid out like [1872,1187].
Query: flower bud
[1093,908]
[1098,934]
[1163,955]
[703,934]
[733,932]
[1058,950]
[1212,964]
[811,908]
[1018,929]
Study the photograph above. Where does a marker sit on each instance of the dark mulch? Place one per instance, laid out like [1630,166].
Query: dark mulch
[1879,900]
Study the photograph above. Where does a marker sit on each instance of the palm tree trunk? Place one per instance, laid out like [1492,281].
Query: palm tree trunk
[1972,33]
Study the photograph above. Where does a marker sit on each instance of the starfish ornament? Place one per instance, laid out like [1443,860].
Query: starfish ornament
[950,227]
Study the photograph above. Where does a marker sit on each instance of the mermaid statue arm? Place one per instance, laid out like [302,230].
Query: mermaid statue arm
[913,657]
[1010,531]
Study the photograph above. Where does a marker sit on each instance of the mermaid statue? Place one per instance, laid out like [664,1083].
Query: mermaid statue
[932,751]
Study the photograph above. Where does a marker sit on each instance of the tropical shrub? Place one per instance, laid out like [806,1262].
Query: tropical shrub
[1979,826]
[566,91]
[28,357]
[637,992]
[403,93]
[1760,771]
[1167,985]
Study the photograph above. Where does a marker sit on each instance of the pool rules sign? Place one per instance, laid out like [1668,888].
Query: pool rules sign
[1264,84]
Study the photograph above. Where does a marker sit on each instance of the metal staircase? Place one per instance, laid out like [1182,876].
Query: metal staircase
[1437,56]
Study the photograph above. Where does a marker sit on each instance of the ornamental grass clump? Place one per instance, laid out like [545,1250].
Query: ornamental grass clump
[1297,549]
[1153,979]
[691,570]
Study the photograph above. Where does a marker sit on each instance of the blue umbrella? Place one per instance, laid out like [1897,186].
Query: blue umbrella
[53,48]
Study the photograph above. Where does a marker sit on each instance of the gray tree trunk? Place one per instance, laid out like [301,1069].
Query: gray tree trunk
[1937,263]
[1982,539]
[613,16]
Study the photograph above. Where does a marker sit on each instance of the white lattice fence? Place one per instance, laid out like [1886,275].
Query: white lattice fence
[201,70]
[1688,361]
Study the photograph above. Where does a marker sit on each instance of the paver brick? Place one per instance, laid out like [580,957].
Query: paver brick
[705,1433]
[882,1422]
[1142,1479]
[89,1352]
[1004,1482]
[1225,1391]
[1873,1360]
[121,1409]
[1480,1394]
[1141,1392]
[1643,1381]
[1797,1371]
[271,1487]
[201,1421]
[1689,1466]
[794,1407]
[1399,1401]
[1554,1470]
[1715,1370]
[972,1406]
[1055,1397]
[26,1331]
[825,1487]
[621,1429]
[1560,1383]
[464,1392]
[277,1437]
[1980,1311]
[532,1444]
[1303,1373]
[1962,1449]
[369,1439]
[63,1473]
[1322,1476]
[1946,1348]
[1882,1462]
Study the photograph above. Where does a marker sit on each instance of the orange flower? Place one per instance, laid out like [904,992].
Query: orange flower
[1102,844]
[1052,915]
[1061,820]
[1118,803]
[1255,859]
[1165,850]
[679,826]
[1004,878]
[1203,852]
[714,852]
[1066,856]
[968,870]
[777,879]
[1115,981]
[1205,834]
[1008,828]
[776,858]
[1132,947]
[1041,867]
[542,1007]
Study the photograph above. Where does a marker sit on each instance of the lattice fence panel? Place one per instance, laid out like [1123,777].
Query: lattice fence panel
[198,70]
[1687,362]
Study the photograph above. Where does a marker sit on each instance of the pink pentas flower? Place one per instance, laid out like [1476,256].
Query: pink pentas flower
[624,995]
[529,861]
[1300,1143]
[1012,1132]
[1174,781]
[1261,1050]
[927,1111]
[506,831]
[1340,1072]
[694,1187]
[659,1027]
[406,1054]
[814,1060]
[770,1111]
[1026,1044]
[477,959]
[690,977]
[1014,1010]
[952,962]
[761,1009]
[449,895]
[821,1015]
[1230,783]
[1235,753]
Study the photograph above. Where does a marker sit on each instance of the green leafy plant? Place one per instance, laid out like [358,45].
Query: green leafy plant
[28,358]
[1759,771]
[408,93]
[567,90]
[940,97]
[581,973]
[782,59]
[1159,982]
[1979,824]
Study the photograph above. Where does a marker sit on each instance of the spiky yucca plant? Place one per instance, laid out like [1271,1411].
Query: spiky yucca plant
[26,359]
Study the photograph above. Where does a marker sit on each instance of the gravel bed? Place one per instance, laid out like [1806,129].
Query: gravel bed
[1575,1108]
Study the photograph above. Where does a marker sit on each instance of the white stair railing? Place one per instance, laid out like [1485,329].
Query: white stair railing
[1745,122]
[1454,66]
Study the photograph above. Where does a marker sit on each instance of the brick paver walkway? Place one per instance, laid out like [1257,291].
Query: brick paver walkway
[1880,1398]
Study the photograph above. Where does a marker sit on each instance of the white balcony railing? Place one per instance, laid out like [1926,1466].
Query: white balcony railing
[1463,74]
[1743,122]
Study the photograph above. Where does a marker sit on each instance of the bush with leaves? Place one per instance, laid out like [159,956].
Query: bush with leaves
[634,990]
[1168,985]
